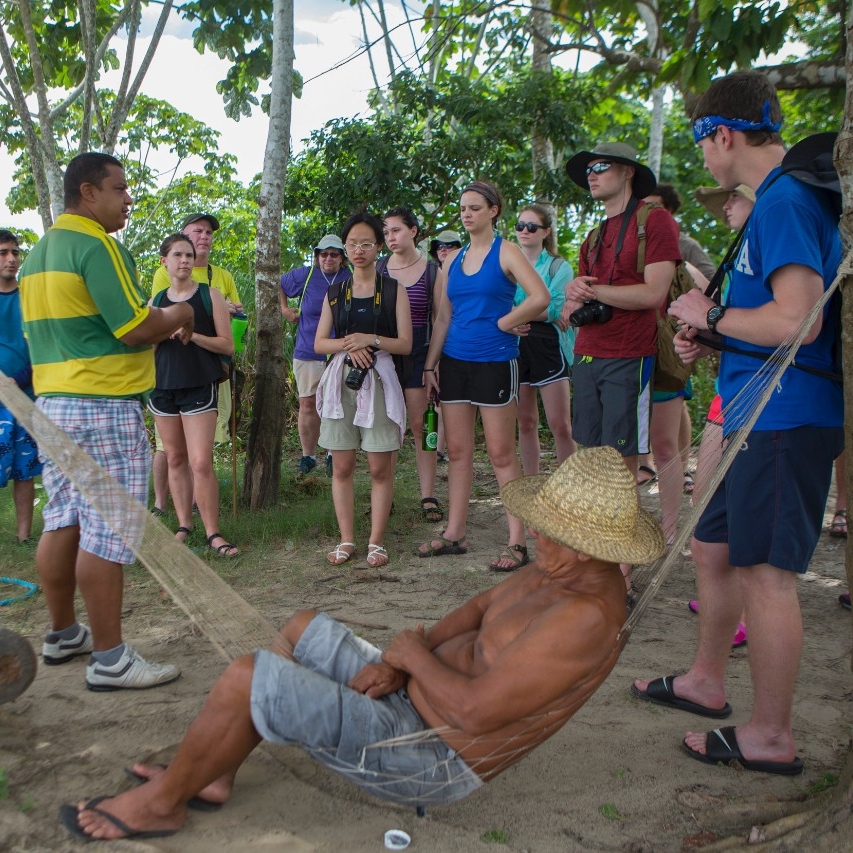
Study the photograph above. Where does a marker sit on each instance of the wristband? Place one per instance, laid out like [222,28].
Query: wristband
[429,370]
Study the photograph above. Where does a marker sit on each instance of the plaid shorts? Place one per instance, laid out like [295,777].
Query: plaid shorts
[19,456]
[113,433]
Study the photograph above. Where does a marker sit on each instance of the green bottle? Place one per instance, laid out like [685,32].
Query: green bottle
[430,432]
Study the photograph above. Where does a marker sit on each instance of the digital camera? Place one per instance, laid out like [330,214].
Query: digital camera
[591,312]
[355,377]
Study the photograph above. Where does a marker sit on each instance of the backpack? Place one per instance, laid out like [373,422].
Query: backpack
[207,302]
[810,162]
[671,374]
[386,305]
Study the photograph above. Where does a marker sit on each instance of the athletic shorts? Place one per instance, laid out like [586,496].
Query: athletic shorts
[19,454]
[612,404]
[769,507]
[481,383]
[420,347]
[307,375]
[541,360]
[113,433]
[665,396]
[173,402]
[307,703]
[343,434]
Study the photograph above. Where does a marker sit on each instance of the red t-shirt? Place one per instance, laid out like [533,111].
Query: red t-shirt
[628,334]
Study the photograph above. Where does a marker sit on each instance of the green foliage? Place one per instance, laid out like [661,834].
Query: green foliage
[441,137]
[609,811]
[495,836]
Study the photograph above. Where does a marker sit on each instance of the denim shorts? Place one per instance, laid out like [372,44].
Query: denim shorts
[112,432]
[308,704]
[769,506]
[19,455]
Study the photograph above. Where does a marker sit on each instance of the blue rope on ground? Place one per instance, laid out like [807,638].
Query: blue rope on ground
[31,589]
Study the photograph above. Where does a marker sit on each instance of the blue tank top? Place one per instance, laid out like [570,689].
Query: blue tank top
[479,301]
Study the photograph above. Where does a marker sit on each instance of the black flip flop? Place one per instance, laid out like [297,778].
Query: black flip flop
[199,804]
[660,692]
[721,747]
[69,814]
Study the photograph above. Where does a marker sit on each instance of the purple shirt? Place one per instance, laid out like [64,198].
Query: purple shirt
[292,285]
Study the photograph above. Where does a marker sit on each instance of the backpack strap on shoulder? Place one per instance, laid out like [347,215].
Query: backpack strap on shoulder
[642,216]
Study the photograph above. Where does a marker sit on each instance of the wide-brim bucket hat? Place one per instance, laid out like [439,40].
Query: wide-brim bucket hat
[619,152]
[713,198]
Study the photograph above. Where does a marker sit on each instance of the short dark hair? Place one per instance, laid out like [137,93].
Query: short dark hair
[88,168]
[743,95]
[171,240]
[669,196]
[369,219]
[7,236]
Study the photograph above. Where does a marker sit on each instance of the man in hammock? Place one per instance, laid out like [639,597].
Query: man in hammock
[762,525]
[441,710]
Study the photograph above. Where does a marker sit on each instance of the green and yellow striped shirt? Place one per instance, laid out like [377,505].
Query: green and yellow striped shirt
[79,295]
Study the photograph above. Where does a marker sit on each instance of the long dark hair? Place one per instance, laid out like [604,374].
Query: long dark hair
[171,240]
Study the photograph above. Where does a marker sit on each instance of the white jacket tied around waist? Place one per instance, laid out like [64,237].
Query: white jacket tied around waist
[329,393]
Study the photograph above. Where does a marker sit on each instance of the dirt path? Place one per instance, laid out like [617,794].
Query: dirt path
[613,779]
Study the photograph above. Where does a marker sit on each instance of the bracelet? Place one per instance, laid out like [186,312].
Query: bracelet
[429,370]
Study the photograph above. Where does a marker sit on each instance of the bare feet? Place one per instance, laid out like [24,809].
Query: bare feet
[137,810]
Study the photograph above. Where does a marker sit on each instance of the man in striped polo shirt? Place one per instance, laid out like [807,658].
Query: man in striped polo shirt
[90,334]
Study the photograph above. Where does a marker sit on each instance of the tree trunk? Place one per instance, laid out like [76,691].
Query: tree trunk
[262,473]
[541,24]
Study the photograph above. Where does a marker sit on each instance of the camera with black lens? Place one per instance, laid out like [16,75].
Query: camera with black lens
[355,377]
[591,312]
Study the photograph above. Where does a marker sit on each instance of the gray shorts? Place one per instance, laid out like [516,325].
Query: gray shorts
[308,704]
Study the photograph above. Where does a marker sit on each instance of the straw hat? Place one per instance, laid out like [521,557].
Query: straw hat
[713,198]
[589,504]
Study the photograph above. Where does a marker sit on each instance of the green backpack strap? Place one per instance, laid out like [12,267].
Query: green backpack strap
[642,215]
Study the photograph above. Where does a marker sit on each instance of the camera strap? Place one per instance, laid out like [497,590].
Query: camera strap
[377,303]
[632,205]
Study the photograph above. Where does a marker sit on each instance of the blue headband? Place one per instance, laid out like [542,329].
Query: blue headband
[707,125]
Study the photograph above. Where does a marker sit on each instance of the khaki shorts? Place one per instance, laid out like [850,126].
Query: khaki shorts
[343,434]
[307,375]
[223,417]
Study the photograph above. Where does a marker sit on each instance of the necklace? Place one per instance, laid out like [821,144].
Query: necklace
[176,296]
[397,269]
[328,280]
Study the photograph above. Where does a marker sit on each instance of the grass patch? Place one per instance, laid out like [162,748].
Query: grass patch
[495,836]
[826,783]
[609,811]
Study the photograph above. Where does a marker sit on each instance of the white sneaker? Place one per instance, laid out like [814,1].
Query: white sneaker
[131,671]
[62,651]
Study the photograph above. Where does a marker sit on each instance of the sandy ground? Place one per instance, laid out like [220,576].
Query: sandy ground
[614,778]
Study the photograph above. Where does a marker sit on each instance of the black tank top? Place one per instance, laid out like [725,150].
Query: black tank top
[189,366]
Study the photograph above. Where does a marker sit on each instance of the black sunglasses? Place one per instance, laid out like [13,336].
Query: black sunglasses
[532,227]
[440,246]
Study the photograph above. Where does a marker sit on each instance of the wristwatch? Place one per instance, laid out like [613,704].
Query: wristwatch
[714,315]
[376,342]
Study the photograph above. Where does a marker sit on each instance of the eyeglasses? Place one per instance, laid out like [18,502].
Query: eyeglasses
[359,247]
[598,168]
[332,254]
[440,246]
[532,227]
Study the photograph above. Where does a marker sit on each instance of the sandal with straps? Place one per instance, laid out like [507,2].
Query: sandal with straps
[838,528]
[431,510]
[508,553]
[223,549]
[377,556]
[338,557]
[187,530]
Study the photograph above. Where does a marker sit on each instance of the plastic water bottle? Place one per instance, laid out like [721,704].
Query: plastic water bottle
[239,325]
[430,429]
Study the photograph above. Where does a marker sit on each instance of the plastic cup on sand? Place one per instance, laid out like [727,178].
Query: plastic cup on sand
[396,839]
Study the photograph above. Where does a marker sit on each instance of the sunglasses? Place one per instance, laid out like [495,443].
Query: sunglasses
[598,168]
[332,254]
[532,227]
[440,246]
